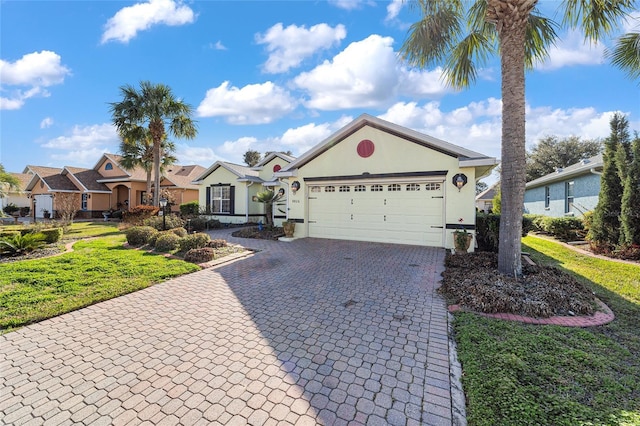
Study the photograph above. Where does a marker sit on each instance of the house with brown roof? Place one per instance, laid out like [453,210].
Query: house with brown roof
[16,196]
[106,186]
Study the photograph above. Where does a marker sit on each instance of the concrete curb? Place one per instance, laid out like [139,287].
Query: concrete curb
[458,401]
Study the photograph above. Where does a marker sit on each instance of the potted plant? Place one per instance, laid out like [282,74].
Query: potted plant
[289,227]
[462,240]
[46,214]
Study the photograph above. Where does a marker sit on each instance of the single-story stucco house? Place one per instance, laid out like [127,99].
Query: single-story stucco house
[569,191]
[227,189]
[484,200]
[106,186]
[377,181]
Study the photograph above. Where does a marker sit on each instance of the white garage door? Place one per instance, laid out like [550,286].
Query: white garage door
[391,212]
[44,201]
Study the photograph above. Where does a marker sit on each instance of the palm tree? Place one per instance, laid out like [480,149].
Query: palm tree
[139,153]
[626,54]
[462,38]
[155,109]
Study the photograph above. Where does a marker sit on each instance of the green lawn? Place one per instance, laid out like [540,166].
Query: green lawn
[97,270]
[91,229]
[517,374]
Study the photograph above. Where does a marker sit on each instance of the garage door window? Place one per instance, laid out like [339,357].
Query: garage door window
[360,188]
[376,188]
[329,189]
[413,187]
[344,188]
[432,187]
[315,189]
[394,187]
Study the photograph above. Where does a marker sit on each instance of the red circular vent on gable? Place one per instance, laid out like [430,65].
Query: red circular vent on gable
[276,168]
[366,148]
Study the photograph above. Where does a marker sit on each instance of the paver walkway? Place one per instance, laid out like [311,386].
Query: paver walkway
[308,332]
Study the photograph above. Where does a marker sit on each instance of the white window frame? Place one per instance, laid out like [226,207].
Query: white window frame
[217,194]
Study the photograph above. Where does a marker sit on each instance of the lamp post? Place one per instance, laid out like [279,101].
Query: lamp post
[34,210]
[163,204]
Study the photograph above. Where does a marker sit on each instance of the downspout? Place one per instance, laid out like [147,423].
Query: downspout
[246,215]
[595,172]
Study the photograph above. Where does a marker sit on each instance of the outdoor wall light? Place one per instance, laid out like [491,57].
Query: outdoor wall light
[459,181]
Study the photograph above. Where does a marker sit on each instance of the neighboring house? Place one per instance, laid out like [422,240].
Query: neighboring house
[17,196]
[373,180]
[570,191]
[227,190]
[107,186]
[484,200]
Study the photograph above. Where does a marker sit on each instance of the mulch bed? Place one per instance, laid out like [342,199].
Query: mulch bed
[47,251]
[473,281]
[271,233]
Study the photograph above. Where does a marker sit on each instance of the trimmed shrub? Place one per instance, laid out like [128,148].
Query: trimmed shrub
[214,224]
[194,241]
[139,235]
[11,208]
[219,243]
[198,223]
[167,242]
[152,239]
[563,228]
[171,221]
[200,255]
[180,232]
[52,235]
[488,231]
[189,209]
[138,214]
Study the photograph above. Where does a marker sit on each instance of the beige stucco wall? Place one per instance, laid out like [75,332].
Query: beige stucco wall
[392,155]
[116,171]
[266,173]
[223,176]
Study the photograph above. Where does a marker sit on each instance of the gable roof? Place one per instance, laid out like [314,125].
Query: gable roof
[271,156]
[137,174]
[52,178]
[243,173]
[87,178]
[473,159]
[584,167]
[182,176]
[23,180]
[489,193]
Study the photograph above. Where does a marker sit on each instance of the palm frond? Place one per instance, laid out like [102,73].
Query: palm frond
[626,54]
[597,18]
[541,34]
[466,56]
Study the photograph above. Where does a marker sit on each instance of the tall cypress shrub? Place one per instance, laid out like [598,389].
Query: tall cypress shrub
[605,229]
[630,211]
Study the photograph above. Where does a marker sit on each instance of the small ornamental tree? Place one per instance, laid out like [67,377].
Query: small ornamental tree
[630,211]
[605,228]
[67,204]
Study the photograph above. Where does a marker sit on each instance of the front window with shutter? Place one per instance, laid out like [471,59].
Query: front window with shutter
[221,199]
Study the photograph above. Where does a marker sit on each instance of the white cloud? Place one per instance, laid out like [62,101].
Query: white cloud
[349,4]
[393,9]
[631,23]
[203,156]
[126,23]
[366,74]
[477,126]
[252,104]
[79,158]
[217,45]
[289,46]
[36,71]
[572,50]
[86,138]
[46,123]
[234,150]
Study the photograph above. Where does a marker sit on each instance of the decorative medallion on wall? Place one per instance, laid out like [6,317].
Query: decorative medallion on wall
[295,186]
[276,168]
[365,148]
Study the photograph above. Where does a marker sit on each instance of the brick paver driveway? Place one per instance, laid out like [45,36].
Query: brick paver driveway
[308,332]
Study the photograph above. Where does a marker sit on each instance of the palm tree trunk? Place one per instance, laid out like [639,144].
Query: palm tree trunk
[156,173]
[511,18]
[146,198]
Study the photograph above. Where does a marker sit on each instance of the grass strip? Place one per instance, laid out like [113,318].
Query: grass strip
[519,374]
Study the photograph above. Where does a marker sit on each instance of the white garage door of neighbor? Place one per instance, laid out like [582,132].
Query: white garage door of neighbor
[45,202]
[398,212]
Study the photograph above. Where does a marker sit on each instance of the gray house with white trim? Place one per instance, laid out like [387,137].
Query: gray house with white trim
[569,191]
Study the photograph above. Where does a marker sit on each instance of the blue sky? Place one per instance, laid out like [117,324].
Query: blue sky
[268,75]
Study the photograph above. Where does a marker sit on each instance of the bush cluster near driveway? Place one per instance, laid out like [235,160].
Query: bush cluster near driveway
[518,374]
[100,269]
